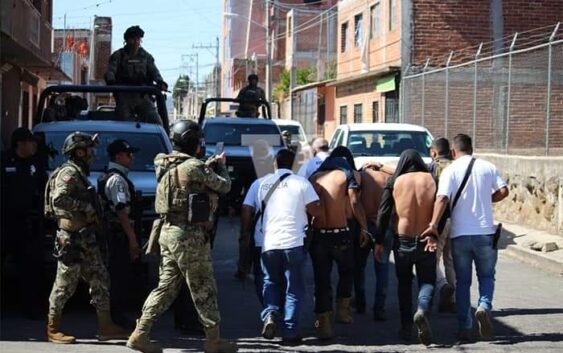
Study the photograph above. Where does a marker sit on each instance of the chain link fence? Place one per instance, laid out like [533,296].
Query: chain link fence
[506,94]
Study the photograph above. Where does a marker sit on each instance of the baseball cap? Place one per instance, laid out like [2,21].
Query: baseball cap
[22,134]
[120,145]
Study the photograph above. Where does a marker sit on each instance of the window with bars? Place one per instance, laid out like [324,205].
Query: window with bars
[358,25]
[343,37]
[343,115]
[375,18]
[357,113]
[375,112]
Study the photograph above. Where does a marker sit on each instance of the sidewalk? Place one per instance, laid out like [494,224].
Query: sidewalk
[530,245]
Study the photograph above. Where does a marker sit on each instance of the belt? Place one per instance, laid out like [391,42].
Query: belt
[332,230]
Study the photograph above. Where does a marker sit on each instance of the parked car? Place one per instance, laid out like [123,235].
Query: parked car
[297,136]
[383,142]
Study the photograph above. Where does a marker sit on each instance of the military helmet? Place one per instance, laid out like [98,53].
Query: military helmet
[252,77]
[185,132]
[79,140]
[132,32]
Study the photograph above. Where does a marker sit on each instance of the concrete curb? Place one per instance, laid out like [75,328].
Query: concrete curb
[534,258]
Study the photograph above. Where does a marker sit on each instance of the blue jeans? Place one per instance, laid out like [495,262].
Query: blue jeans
[409,252]
[284,269]
[466,250]
[258,273]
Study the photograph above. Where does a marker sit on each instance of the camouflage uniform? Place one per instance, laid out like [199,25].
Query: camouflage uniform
[185,249]
[76,216]
[133,70]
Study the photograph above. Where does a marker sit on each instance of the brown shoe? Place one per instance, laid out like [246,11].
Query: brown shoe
[107,330]
[140,340]
[324,326]
[54,334]
[343,314]
[215,344]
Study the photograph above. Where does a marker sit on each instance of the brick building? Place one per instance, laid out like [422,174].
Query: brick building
[25,60]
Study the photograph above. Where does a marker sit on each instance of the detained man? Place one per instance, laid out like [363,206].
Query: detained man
[285,200]
[410,194]
[320,153]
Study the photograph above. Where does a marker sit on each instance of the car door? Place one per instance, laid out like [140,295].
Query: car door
[335,138]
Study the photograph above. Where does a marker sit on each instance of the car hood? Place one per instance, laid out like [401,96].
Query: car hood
[390,161]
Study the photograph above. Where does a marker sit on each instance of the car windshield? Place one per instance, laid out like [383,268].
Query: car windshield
[231,134]
[388,143]
[149,146]
[294,130]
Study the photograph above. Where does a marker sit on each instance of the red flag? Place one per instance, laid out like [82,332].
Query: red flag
[69,42]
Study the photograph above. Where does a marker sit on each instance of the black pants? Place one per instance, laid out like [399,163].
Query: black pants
[22,241]
[120,270]
[409,252]
[326,249]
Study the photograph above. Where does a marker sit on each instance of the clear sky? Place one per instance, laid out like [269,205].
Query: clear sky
[171,28]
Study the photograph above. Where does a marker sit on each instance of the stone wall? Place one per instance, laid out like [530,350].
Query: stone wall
[536,191]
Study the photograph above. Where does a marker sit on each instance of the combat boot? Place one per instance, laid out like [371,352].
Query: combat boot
[323,326]
[53,333]
[215,344]
[343,314]
[107,330]
[139,339]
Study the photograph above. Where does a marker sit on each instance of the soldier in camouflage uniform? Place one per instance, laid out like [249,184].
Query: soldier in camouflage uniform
[441,158]
[72,201]
[184,238]
[134,66]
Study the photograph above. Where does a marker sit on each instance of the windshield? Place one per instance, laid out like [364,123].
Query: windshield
[296,132]
[388,143]
[231,134]
[149,144]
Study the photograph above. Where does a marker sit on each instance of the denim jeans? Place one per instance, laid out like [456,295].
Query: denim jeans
[326,249]
[284,269]
[381,272]
[258,273]
[409,252]
[466,250]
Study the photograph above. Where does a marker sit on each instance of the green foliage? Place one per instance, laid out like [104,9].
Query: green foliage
[303,77]
[181,87]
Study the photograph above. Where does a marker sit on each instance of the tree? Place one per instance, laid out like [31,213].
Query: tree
[181,87]
[302,76]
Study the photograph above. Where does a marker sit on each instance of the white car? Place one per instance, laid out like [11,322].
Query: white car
[382,142]
[297,134]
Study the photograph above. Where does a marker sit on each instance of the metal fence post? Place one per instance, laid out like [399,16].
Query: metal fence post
[475,97]
[424,89]
[506,142]
[447,93]
[548,103]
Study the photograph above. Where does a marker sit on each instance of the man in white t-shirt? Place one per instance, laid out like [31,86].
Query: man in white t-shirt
[320,153]
[472,231]
[283,256]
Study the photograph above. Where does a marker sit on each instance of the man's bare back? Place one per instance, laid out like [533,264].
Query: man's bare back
[373,183]
[414,195]
[332,188]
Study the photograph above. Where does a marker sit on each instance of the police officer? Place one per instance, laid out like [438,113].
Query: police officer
[22,182]
[251,93]
[72,201]
[117,192]
[183,200]
[134,66]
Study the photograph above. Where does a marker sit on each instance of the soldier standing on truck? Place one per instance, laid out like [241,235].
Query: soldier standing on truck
[134,66]
[250,97]
[118,194]
[72,201]
[186,203]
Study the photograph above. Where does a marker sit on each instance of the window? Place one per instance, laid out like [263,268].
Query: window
[357,113]
[391,107]
[335,138]
[343,115]
[343,37]
[375,112]
[358,24]
[34,24]
[388,143]
[375,18]
[392,13]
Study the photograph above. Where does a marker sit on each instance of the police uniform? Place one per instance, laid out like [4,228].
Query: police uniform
[133,70]
[21,238]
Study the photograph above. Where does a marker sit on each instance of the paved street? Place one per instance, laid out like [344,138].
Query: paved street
[528,317]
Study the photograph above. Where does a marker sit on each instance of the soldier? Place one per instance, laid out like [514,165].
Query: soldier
[134,66]
[186,201]
[253,94]
[117,192]
[72,201]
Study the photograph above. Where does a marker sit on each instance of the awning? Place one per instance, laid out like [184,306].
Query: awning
[385,84]
[389,70]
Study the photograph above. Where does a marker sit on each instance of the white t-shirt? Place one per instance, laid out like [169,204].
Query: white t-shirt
[285,217]
[251,200]
[312,165]
[473,213]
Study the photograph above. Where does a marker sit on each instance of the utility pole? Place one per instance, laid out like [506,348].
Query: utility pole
[193,58]
[268,54]
[216,84]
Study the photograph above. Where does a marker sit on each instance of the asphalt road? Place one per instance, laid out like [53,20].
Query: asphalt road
[528,317]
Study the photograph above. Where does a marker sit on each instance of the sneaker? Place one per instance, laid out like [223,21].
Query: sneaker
[423,327]
[269,328]
[483,318]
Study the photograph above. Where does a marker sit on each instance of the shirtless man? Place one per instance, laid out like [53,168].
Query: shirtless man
[411,193]
[338,188]
[373,180]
